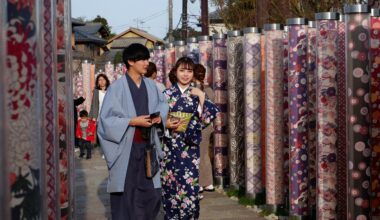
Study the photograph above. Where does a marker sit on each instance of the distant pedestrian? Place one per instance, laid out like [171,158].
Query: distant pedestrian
[101,84]
[152,73]
[85,133]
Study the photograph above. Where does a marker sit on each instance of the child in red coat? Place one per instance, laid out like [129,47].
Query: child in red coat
[85,133]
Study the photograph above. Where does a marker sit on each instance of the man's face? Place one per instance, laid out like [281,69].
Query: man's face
[139,66]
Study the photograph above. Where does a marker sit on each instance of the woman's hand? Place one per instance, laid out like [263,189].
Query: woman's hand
[173,124]
[197,92]
[141,121]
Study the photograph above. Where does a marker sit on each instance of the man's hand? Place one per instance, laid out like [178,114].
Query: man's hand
[141,121]
[156,120]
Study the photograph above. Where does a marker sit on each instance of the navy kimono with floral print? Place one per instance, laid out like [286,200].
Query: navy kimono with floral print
[180,185]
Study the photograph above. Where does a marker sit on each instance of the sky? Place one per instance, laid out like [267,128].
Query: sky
[149,15]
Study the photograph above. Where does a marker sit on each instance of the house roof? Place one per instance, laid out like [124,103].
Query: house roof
[84,37]
[93,28]
[77,22]
[125,42]
[215,17]
[139,32]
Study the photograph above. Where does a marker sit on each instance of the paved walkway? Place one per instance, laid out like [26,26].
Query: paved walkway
[92,200]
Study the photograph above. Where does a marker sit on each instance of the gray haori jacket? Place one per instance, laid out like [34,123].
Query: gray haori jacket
[116,136]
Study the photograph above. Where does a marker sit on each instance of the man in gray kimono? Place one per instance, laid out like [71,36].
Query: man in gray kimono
[123,120]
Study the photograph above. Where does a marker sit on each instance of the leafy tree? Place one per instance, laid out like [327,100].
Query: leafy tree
[177,33]
[118,58]
[104,21]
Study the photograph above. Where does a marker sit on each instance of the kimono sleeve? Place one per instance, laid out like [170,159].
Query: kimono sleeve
[112,123]
[209,112]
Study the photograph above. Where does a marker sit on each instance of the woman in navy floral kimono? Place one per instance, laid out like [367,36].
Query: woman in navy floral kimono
[180,185]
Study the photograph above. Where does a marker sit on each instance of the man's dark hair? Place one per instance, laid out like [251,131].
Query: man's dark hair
[151,69]
[83,113]
[135,52]
[105,78]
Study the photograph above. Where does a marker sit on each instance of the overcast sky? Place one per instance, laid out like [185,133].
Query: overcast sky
[150,15]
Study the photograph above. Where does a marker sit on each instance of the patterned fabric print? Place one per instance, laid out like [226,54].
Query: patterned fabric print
[192,51]
[120,70]
[327,70]
[286,118]
[49,113]
[235,110]
[169,63]
[375,113]
[221,122]
[159,60]
[251,47]
[263,119]
[180,165]
[180,51]
[78,89]
[359,150]
[274,116]
[205,58]
[341,151]
[109,71]
[86,69]
[298,120]
[312,132]
[21,98]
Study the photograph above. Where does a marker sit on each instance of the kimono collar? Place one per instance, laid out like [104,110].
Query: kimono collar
[182,90]
[127,76]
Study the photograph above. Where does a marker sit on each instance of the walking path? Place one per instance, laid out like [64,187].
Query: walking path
[92,200]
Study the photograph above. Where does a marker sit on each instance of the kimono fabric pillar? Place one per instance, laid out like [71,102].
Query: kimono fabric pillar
[180,49]
[235,108]
[109,71]
[358,123]
[298,113]
[341,142]
[252,107]
[286,116]
[50,118]
[192,49]
[274,115]
[86,70]
[205,57]
[263,120]
[221,99]
[312,132]
[159,60]
[327,124]
[21,115]
[375,111]
[169,57]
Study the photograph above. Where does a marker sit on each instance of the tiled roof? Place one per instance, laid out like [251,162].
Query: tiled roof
[125,42]
[89,28]
[139,32]
[77,22]
[82,37]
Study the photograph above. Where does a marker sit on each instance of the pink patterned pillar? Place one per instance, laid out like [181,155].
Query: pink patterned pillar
[109,71]
[205,56]
[159,60]
[169,62]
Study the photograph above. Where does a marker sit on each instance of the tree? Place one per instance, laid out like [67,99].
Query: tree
[177,33]
[104,21]
[118,58]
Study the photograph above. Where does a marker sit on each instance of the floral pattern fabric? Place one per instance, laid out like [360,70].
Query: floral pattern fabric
[180,166]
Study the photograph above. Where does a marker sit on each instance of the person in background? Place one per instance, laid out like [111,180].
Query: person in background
[125,121]
[101,84]
[205,168]
[85,133]
[77,102]
[180,166]
[152,73]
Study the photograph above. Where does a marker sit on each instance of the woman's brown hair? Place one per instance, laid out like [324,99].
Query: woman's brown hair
[183,61]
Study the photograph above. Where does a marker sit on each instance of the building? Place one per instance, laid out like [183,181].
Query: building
[216,25]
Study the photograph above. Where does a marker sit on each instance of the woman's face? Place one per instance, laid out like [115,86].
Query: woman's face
[102,82]
[184,75]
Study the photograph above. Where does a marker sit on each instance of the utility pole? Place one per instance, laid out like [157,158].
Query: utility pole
[170,9]
[184,19]
[204,16]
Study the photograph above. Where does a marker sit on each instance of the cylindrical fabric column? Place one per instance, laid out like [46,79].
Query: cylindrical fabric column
[78,82]
[252,99]
[375,111]
[312,132]
[180,49]
[274,114]
[86,74]
[285,66]
[92,78]
[219,54]
[109,71]
[169,62]
[205,56]
[357,82]
[263,120]
[327,124]
[341,148]
[235,108]
[192,49]
[298,122]
[159,59]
